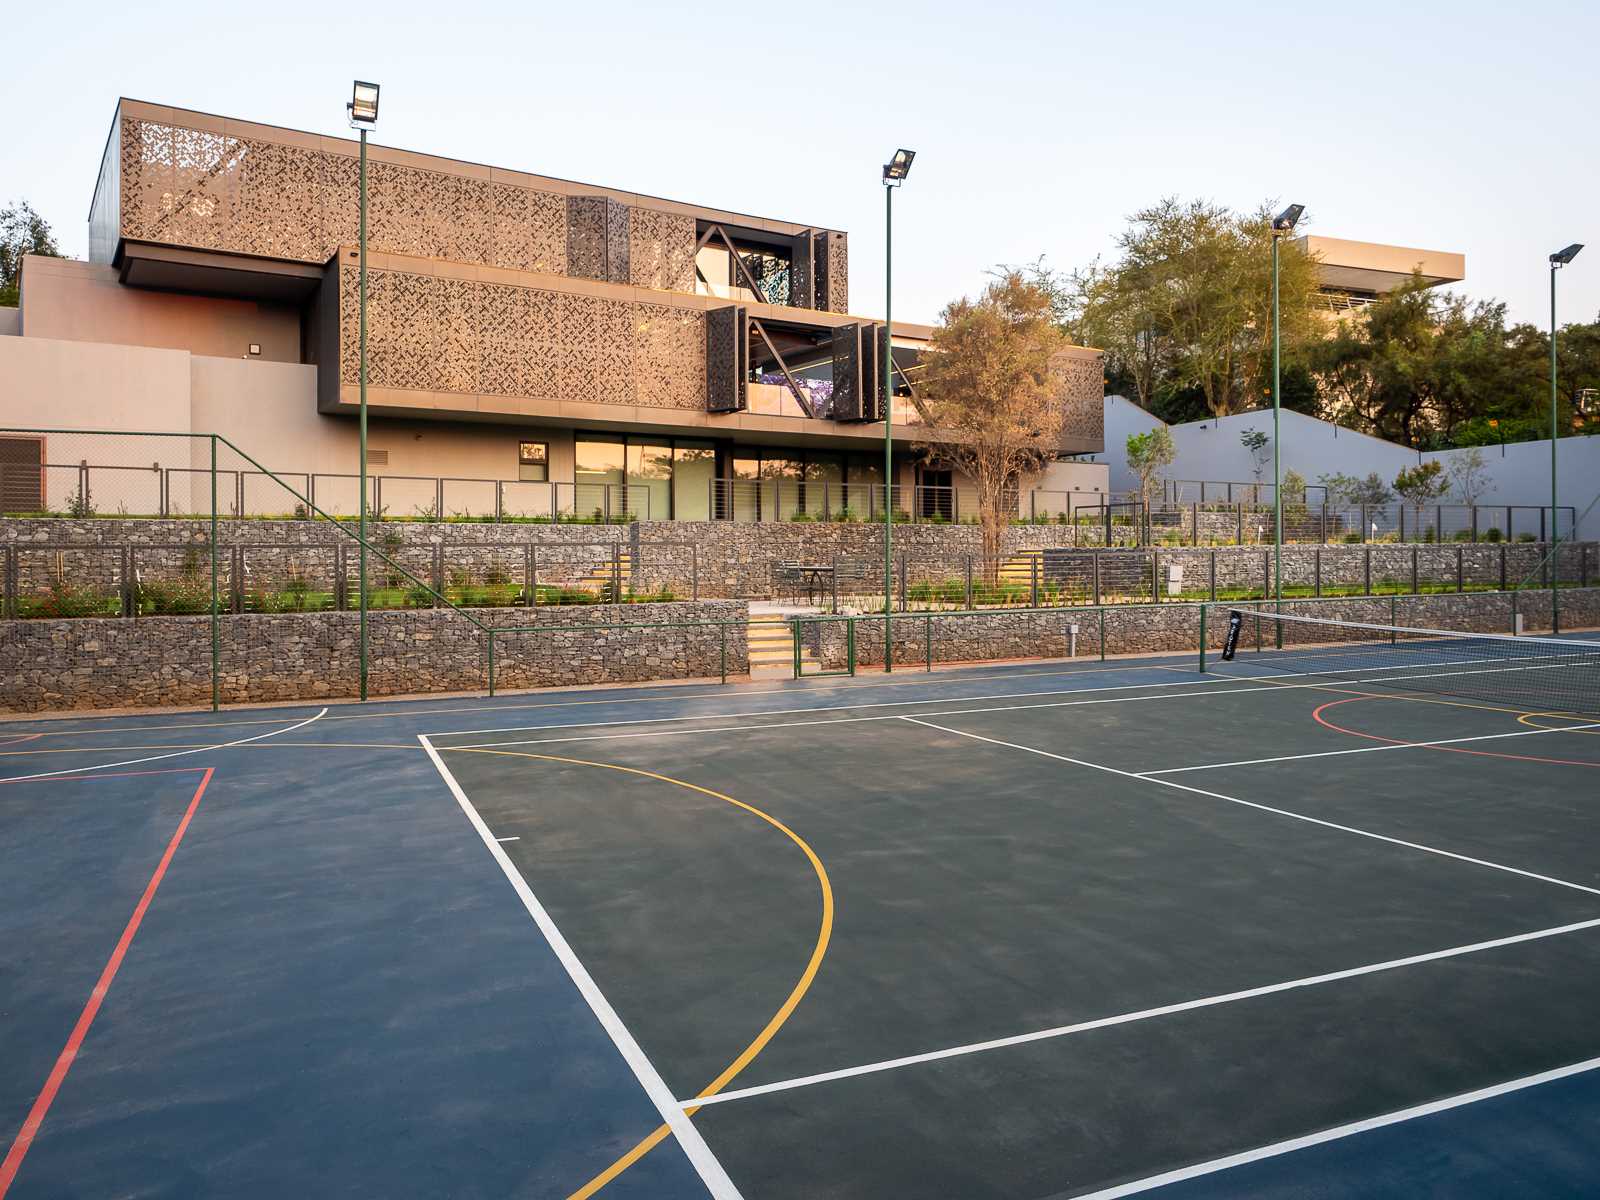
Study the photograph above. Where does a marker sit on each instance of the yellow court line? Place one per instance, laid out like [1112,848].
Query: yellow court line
[1527,719]
[824,934]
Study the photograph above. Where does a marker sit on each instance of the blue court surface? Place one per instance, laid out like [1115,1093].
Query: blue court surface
[1032,931]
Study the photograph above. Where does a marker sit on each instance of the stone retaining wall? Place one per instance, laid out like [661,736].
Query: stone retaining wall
[1171,628]
[89,663]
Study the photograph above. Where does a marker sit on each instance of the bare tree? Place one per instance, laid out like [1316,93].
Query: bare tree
[1470,477]
[991,386]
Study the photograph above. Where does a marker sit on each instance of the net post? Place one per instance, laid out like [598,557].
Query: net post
[1394,618]
[1202,638]
[216,629]
[491,663]
[850,644]
[1102,630]
[929,635]
[723,630]
[794,630]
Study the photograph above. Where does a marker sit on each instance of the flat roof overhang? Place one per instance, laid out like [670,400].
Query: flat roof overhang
[216,273]
[744,428]
[1372,267]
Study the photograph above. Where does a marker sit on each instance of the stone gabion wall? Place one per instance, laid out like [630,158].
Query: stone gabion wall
[1175,627]
[716,558]
[89,663]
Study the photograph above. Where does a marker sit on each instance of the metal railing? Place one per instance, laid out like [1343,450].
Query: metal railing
[86,489]
[1065,578]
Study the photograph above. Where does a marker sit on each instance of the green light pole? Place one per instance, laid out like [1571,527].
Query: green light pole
[894,174]
[1557,260]
[363,109]
[1282,224]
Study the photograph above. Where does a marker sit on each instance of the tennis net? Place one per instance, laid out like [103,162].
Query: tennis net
[1535,674]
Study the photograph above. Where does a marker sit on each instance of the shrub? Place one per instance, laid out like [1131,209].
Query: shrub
[181,597]
[1493,535]
[72,600]
[1526,537]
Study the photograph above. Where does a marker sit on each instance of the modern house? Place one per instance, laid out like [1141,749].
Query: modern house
[1351,275]
[602,349]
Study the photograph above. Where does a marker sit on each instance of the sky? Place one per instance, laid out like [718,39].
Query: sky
[1450,125]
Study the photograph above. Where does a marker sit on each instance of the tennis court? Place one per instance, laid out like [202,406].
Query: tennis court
[1315,922]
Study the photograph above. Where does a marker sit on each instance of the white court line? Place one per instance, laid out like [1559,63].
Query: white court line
[1341,1131]
[1128,1018]
[1484,737]
[512,838]
[1271,685]
[129,762]
[1282,812]
[1200,682]
[1266,683]
[694,1146]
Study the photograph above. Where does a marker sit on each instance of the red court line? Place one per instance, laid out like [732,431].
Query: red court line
[1317,716]
[17,741]
[107,775]
[69,1052]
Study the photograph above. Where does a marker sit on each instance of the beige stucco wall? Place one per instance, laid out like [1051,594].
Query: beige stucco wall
[78,301]
[10,322]
[50,383]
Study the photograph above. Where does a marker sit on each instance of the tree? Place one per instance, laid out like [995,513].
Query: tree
[1149,454]
[991,383]
[1257,444]
[1371,491]
[1424,482]
[1469,476]
[1188,304]
[22,231]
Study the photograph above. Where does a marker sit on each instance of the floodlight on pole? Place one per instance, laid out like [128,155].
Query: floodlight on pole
[894,174]
[363,110]
[1282,224]
[1557,260]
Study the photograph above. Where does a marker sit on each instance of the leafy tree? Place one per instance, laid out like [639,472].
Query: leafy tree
[1187,304]
[1424,482]
[1149,454]
[22,231]
[992,385]
[1469,476]
[1257,443]
[1370,491]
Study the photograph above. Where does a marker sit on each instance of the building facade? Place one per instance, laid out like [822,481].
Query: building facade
[635,354]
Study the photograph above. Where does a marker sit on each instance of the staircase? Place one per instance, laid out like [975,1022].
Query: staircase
[1019,568]
[772,646]
[599,579]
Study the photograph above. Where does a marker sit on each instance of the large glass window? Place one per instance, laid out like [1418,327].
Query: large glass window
[649,481]
[824,494]
[598,466]
[780,487]
[694,464]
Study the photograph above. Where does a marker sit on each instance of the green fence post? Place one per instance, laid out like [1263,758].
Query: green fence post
[491,662]
[1394,618]
[1202,639]
[850,644]
[1102,632]
[794,628]
[723,630]
[930,643]
[216,656]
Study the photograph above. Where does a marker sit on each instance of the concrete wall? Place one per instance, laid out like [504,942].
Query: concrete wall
[10,322]
[83,302]
[1211,450]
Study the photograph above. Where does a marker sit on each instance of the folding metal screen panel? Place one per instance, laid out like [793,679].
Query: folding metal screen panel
[727,359]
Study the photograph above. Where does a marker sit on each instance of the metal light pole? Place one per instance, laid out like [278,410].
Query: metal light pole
[363,108]
[1282,224]
[894,174]
[1557,260]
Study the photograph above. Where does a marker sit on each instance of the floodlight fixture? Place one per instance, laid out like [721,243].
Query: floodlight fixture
[1562,257]
[898,167]
[1285,221]
[363,104]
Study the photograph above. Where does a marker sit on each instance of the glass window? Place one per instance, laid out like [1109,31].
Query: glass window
[598,466]
[824,493]
[533,461]
[694,464]
[649,481]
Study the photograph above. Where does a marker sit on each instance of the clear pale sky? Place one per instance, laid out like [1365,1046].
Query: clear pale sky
[1447,125]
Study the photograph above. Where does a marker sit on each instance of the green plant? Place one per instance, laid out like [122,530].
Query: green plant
[801,516]
[417,596]
[64,599]
[1526,537]
[185,596]
[1493,534]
